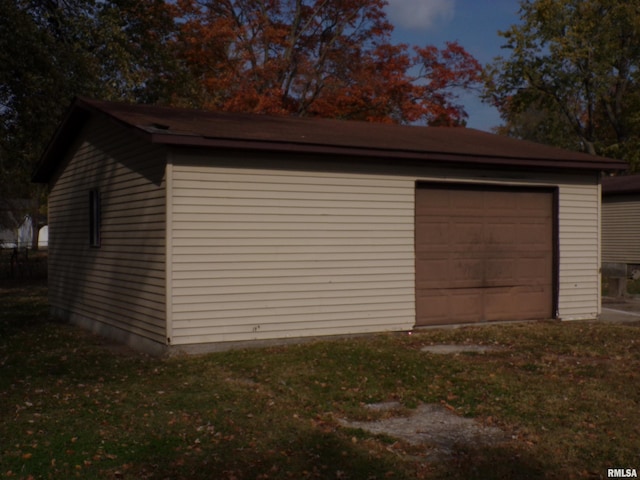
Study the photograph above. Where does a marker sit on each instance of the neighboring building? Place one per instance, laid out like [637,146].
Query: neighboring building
[7,238]
[16,227]
[21,237]
[620,230]
[178,229]
[43,237]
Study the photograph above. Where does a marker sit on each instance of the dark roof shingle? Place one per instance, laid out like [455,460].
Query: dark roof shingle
[173,126]
[624,184]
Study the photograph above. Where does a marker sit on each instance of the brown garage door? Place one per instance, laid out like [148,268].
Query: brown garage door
[483,254]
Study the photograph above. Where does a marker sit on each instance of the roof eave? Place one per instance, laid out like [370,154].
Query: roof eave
[81,109]
[598,164]
[620,191]
[76,116]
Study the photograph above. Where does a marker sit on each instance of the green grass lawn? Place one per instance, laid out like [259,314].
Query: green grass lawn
[72,406]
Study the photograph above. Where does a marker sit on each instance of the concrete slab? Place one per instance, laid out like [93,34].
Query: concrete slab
[618,315]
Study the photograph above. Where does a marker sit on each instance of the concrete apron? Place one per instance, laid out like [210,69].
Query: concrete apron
[613,314]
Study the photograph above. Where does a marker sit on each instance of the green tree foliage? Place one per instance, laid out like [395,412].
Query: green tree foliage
[40,68]
[51,51]
[54,50]
[571,78]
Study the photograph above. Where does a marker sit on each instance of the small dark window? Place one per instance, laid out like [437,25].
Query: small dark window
[94,218]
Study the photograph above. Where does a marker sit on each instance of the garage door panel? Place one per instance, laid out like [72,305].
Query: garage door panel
[436,205]
[530,301]
[499,271]
[498,232]
[474,272]
[483,254]
[433,234]
[532,204]
[534,234]
[435,270]
[533,271]
[463,236]
[448,233]
[465,233]
[462,305]
[452,306]
[437,305]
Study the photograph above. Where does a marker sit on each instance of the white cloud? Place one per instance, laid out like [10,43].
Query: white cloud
[420,14]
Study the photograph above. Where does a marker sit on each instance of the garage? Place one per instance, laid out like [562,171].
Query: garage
[484,253]
[221,230]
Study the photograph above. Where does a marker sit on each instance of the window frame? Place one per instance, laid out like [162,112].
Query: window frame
[95,218]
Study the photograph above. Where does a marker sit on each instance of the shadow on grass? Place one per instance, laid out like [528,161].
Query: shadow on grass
[304,454]
[491,463]
[21,308]
[320,455]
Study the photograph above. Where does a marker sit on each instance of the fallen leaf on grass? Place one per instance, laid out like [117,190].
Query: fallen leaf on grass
[448,406]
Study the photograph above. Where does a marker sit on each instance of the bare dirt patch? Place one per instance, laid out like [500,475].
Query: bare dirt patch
[433,426]
[456,348]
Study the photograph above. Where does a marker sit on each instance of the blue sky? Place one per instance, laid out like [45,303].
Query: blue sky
[473,23]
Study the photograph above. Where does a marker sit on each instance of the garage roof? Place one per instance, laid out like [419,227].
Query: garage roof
[624,184]
[194,128]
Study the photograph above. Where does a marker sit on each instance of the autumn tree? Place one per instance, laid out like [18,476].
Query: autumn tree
[571,78]
[329,58]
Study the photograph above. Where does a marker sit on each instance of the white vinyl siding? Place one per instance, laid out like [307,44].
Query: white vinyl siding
[120,283]
[621,229]
[270,253]
[579,225]
[270,248]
